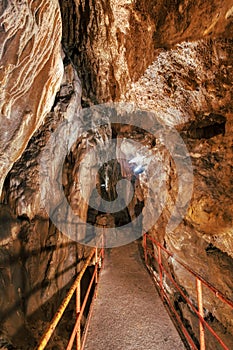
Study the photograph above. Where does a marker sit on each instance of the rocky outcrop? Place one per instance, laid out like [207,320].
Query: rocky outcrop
[113,42]
[191,80]
[31,72]
[177,21]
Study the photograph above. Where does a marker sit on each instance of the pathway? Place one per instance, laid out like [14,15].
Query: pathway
[128,313]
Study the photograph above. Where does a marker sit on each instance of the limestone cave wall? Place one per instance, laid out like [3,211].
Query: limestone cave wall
[173,58]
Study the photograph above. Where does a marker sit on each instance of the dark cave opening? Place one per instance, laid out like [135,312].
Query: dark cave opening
[207,127]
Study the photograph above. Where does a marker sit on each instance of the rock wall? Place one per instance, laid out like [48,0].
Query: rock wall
[37,261]
[31,72]
[113,42]
[190,88]
[172,57]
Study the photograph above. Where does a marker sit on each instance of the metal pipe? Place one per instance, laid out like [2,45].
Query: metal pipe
[103,243]
[78,306]
[160,271]
[218,294]
[72,337]
[145,248]
[96,263]
[84,337]
[91,308]
[184,330]
[197,312]
[201,312]
[48,333]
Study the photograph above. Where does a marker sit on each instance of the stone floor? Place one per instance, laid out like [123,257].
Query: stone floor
[128,313]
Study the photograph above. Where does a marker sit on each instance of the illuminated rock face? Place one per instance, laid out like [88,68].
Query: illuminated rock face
[31,72]
[113,42]
[190,88]
[172,58]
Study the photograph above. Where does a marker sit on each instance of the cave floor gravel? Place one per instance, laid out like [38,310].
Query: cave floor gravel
[128,313]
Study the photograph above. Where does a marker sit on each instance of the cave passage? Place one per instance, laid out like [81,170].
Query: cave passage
[80,81]
[108,176]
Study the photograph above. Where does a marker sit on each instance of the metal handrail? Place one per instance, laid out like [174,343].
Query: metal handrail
[199,281]
[79,308]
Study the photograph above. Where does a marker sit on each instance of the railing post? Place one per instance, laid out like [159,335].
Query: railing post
[160,270]
[78,308]
[96,263]
[145,247]
[201,312]
[103,244]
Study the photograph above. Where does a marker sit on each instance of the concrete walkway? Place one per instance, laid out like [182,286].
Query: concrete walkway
[128,313]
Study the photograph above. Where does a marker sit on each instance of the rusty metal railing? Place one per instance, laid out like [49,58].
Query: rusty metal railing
[75,288]
[199,310]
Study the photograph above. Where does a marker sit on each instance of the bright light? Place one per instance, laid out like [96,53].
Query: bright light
[138,170]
